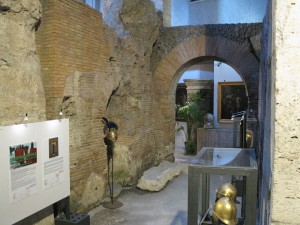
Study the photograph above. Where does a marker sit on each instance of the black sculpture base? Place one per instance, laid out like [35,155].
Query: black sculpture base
[75,218]
[109,205]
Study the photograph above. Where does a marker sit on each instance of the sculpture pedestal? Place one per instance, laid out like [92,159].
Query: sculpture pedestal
[109,205]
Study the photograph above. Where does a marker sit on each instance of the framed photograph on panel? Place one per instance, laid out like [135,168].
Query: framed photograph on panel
[231,98]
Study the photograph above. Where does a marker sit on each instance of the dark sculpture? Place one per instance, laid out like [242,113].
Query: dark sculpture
[111,135]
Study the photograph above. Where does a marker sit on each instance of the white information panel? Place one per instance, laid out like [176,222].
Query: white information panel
[34,168]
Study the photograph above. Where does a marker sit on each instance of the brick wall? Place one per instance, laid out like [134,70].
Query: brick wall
[70,38]
[74,47]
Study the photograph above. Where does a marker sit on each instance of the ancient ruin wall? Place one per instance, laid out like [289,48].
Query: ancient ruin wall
[70,37]
[74,47]
[137,25]
[90,72]
[20,76]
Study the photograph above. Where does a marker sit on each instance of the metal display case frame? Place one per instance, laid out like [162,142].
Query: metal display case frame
[200,170]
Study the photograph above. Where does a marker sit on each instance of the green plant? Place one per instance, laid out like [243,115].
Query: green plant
[190,147]
[193,113]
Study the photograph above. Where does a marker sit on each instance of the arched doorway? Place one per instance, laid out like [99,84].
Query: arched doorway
[211,87]
[190,51]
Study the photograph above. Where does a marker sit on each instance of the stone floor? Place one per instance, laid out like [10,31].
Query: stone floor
[166,207]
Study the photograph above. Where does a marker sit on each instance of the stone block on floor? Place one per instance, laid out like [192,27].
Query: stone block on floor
[157,177]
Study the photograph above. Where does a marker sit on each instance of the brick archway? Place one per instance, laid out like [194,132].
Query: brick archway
[186,53]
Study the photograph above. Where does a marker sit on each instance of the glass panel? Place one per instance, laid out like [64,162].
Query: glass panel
[227,157]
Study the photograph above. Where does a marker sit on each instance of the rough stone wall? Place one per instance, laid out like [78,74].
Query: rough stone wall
[20,73]
[132,103]
[285,70]
[20,76]
[86,95]
[158,4]
[90,72]
[247,35]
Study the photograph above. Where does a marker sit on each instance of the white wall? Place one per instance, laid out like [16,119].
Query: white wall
[179,12]
[199,72]
[217,71]
[202,12]
[222,73]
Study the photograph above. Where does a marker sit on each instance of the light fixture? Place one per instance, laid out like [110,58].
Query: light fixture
[61,113]
[26,117]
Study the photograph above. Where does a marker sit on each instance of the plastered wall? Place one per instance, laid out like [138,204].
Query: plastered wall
[285,203]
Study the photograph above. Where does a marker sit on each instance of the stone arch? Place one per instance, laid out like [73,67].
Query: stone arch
[188,52]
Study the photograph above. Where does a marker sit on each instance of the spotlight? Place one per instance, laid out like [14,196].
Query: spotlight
[61,113]
[26,117]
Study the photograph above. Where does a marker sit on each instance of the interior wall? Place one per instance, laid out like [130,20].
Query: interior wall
[266,120]
[218,72]
[217,12]
[285,120]
[203,71]
[278,115]
[222,73]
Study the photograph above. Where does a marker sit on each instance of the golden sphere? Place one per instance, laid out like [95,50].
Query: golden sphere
[226,211]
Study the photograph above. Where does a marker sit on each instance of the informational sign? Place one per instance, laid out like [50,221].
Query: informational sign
[23,171]
[34,168]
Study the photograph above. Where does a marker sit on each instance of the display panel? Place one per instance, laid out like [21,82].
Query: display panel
[34,168]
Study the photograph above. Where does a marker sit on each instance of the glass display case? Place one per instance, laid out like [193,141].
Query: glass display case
[213,167]
[244,130]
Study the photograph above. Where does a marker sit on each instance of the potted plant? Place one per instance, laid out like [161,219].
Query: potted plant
[192,113]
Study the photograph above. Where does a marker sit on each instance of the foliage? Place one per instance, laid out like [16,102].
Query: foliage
[190,147]
[193,113]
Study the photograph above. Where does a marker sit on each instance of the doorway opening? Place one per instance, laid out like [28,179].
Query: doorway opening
[223,93]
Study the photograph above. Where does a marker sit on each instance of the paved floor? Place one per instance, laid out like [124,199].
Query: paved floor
[166,207]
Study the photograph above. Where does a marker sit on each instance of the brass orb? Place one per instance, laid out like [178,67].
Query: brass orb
[249,138]
[112,135]
[227,190]
[225,210]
